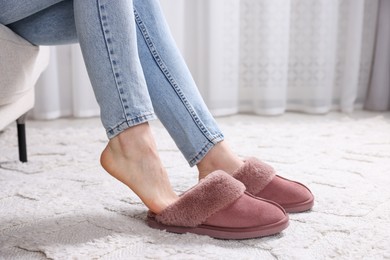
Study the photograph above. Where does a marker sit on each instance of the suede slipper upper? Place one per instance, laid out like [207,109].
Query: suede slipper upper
[261,181]
[218,206]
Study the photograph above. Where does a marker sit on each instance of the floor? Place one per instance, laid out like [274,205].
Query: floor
[62,205]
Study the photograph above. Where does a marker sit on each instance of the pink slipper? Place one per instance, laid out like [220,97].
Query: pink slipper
[219,207]
[261,181]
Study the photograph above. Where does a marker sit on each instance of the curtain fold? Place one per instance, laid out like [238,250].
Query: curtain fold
[64,89]
[263,57]
[378,97]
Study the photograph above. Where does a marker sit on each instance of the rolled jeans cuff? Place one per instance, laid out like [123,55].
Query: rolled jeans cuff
[114,131]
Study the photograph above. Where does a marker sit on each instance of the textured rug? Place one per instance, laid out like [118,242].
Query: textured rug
[62,205]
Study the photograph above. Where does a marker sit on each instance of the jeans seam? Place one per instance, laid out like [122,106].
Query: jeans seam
[170,78]
[110,51]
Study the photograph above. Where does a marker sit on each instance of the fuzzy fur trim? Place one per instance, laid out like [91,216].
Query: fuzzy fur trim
[255,175]
[213,193]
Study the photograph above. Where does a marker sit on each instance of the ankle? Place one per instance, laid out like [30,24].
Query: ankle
[134,146]
[134,142]
[220,157]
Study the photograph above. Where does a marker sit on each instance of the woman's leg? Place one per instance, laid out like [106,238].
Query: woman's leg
[175,97]
[106,32]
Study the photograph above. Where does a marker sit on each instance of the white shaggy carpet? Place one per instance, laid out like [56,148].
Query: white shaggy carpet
[62,205]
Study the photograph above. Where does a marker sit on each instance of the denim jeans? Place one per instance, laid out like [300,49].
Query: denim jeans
[132,60]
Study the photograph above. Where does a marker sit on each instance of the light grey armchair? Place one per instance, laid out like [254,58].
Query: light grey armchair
[21,63]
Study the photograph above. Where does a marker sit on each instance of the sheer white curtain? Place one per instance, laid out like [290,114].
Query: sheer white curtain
[254,56]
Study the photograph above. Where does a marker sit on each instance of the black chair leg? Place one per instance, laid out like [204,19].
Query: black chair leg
[22,138]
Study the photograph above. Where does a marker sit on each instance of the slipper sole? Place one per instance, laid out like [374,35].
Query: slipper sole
[223,232]
[299,207]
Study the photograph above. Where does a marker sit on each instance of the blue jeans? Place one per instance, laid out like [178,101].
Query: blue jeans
[132,60]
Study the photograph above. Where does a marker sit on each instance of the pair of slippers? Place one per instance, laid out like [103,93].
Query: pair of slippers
[250,203]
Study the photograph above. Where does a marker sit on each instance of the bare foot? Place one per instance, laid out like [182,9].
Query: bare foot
[220,157]
[132,158]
